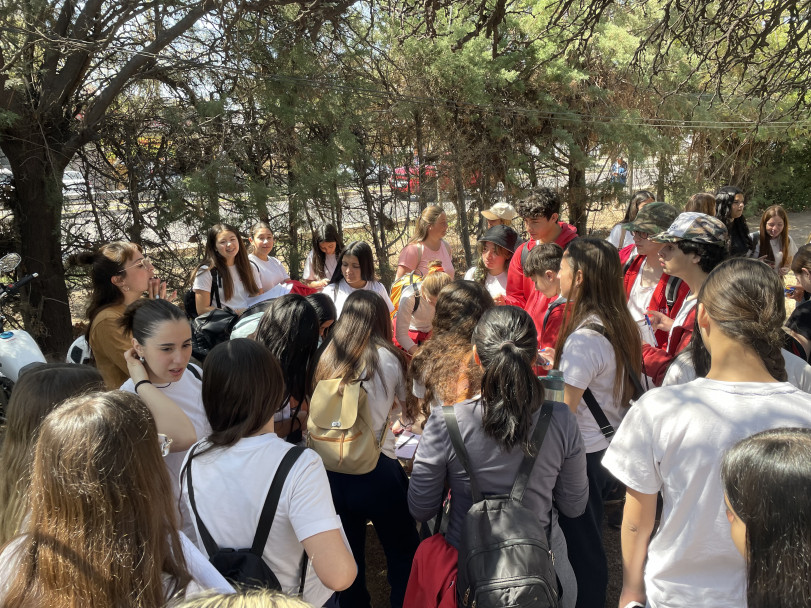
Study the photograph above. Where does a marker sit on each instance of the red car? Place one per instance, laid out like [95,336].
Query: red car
[406,180]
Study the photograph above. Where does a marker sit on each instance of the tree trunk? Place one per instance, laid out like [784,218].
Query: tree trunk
[578,156]
[37,211]
[461,213]
[660,178]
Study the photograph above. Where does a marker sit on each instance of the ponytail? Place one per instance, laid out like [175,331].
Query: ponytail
[506,343]
[745,297]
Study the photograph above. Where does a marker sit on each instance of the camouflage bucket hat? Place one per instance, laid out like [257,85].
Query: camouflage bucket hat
[653,218]
[695,227]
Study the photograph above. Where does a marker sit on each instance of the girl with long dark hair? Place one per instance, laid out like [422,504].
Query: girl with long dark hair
[322,260]
[598,347]
[290,329]
[766,479]
[729,205]
[227,259]
[355,271]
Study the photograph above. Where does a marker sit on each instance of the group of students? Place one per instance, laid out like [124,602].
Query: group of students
[92,518]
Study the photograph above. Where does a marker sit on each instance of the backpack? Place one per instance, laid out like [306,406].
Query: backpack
[340,427]
[246,567]
[212,327]
[411,279]
[504,555]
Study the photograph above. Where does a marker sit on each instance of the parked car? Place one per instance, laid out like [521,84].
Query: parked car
[406,180]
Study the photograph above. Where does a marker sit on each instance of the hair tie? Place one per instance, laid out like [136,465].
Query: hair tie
[434,269]
[507,343]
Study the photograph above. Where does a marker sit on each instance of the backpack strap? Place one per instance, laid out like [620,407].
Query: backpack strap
[194,371]
[459,447]
[215,288]
[599,416]
[638,389]
[272,501]
[268,510]
[672,290]
[205,535]
[538,435]
[416,294]
[606,428]
[549,310]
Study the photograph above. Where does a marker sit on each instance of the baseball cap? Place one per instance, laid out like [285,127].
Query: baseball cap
[503,236]
[500,211]
[695,227]
[653,218]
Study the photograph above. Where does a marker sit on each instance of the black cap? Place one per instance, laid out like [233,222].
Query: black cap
[503,236]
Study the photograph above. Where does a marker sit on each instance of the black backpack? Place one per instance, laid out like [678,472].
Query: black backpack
[504,555]
[245,567]
[210,328]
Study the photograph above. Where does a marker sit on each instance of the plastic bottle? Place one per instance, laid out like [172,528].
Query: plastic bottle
[553,385]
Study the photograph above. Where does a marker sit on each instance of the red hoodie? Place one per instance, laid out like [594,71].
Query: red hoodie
[521,290]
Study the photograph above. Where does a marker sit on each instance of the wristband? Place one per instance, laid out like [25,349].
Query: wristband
[140,382]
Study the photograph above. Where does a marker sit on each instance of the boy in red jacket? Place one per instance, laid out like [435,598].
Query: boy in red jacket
[540,212]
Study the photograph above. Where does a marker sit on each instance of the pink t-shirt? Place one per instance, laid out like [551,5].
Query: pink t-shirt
[418,256]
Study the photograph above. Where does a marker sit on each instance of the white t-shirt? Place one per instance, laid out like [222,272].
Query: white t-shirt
[614,237]
[330,262]
[681,370]
[204,576]
[777,248]
[639,298]
[495,284]
[673,440]
[187,394]
[681,317]
[588,361]
[386,385]
[240,299]
[230,488]
[339,292]
[409,319]
[271,272]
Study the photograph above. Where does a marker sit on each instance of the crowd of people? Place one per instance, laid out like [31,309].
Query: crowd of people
[685,390]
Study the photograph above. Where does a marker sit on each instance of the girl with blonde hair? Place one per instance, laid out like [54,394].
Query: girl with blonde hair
[36,394]
[427,244]
[102,523]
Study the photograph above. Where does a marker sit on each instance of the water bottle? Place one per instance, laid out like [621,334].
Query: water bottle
[553,385]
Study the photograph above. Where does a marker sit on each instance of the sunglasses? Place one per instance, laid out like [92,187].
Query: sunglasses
[143,263]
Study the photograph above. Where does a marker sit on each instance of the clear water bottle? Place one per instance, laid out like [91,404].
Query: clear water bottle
[553,385]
